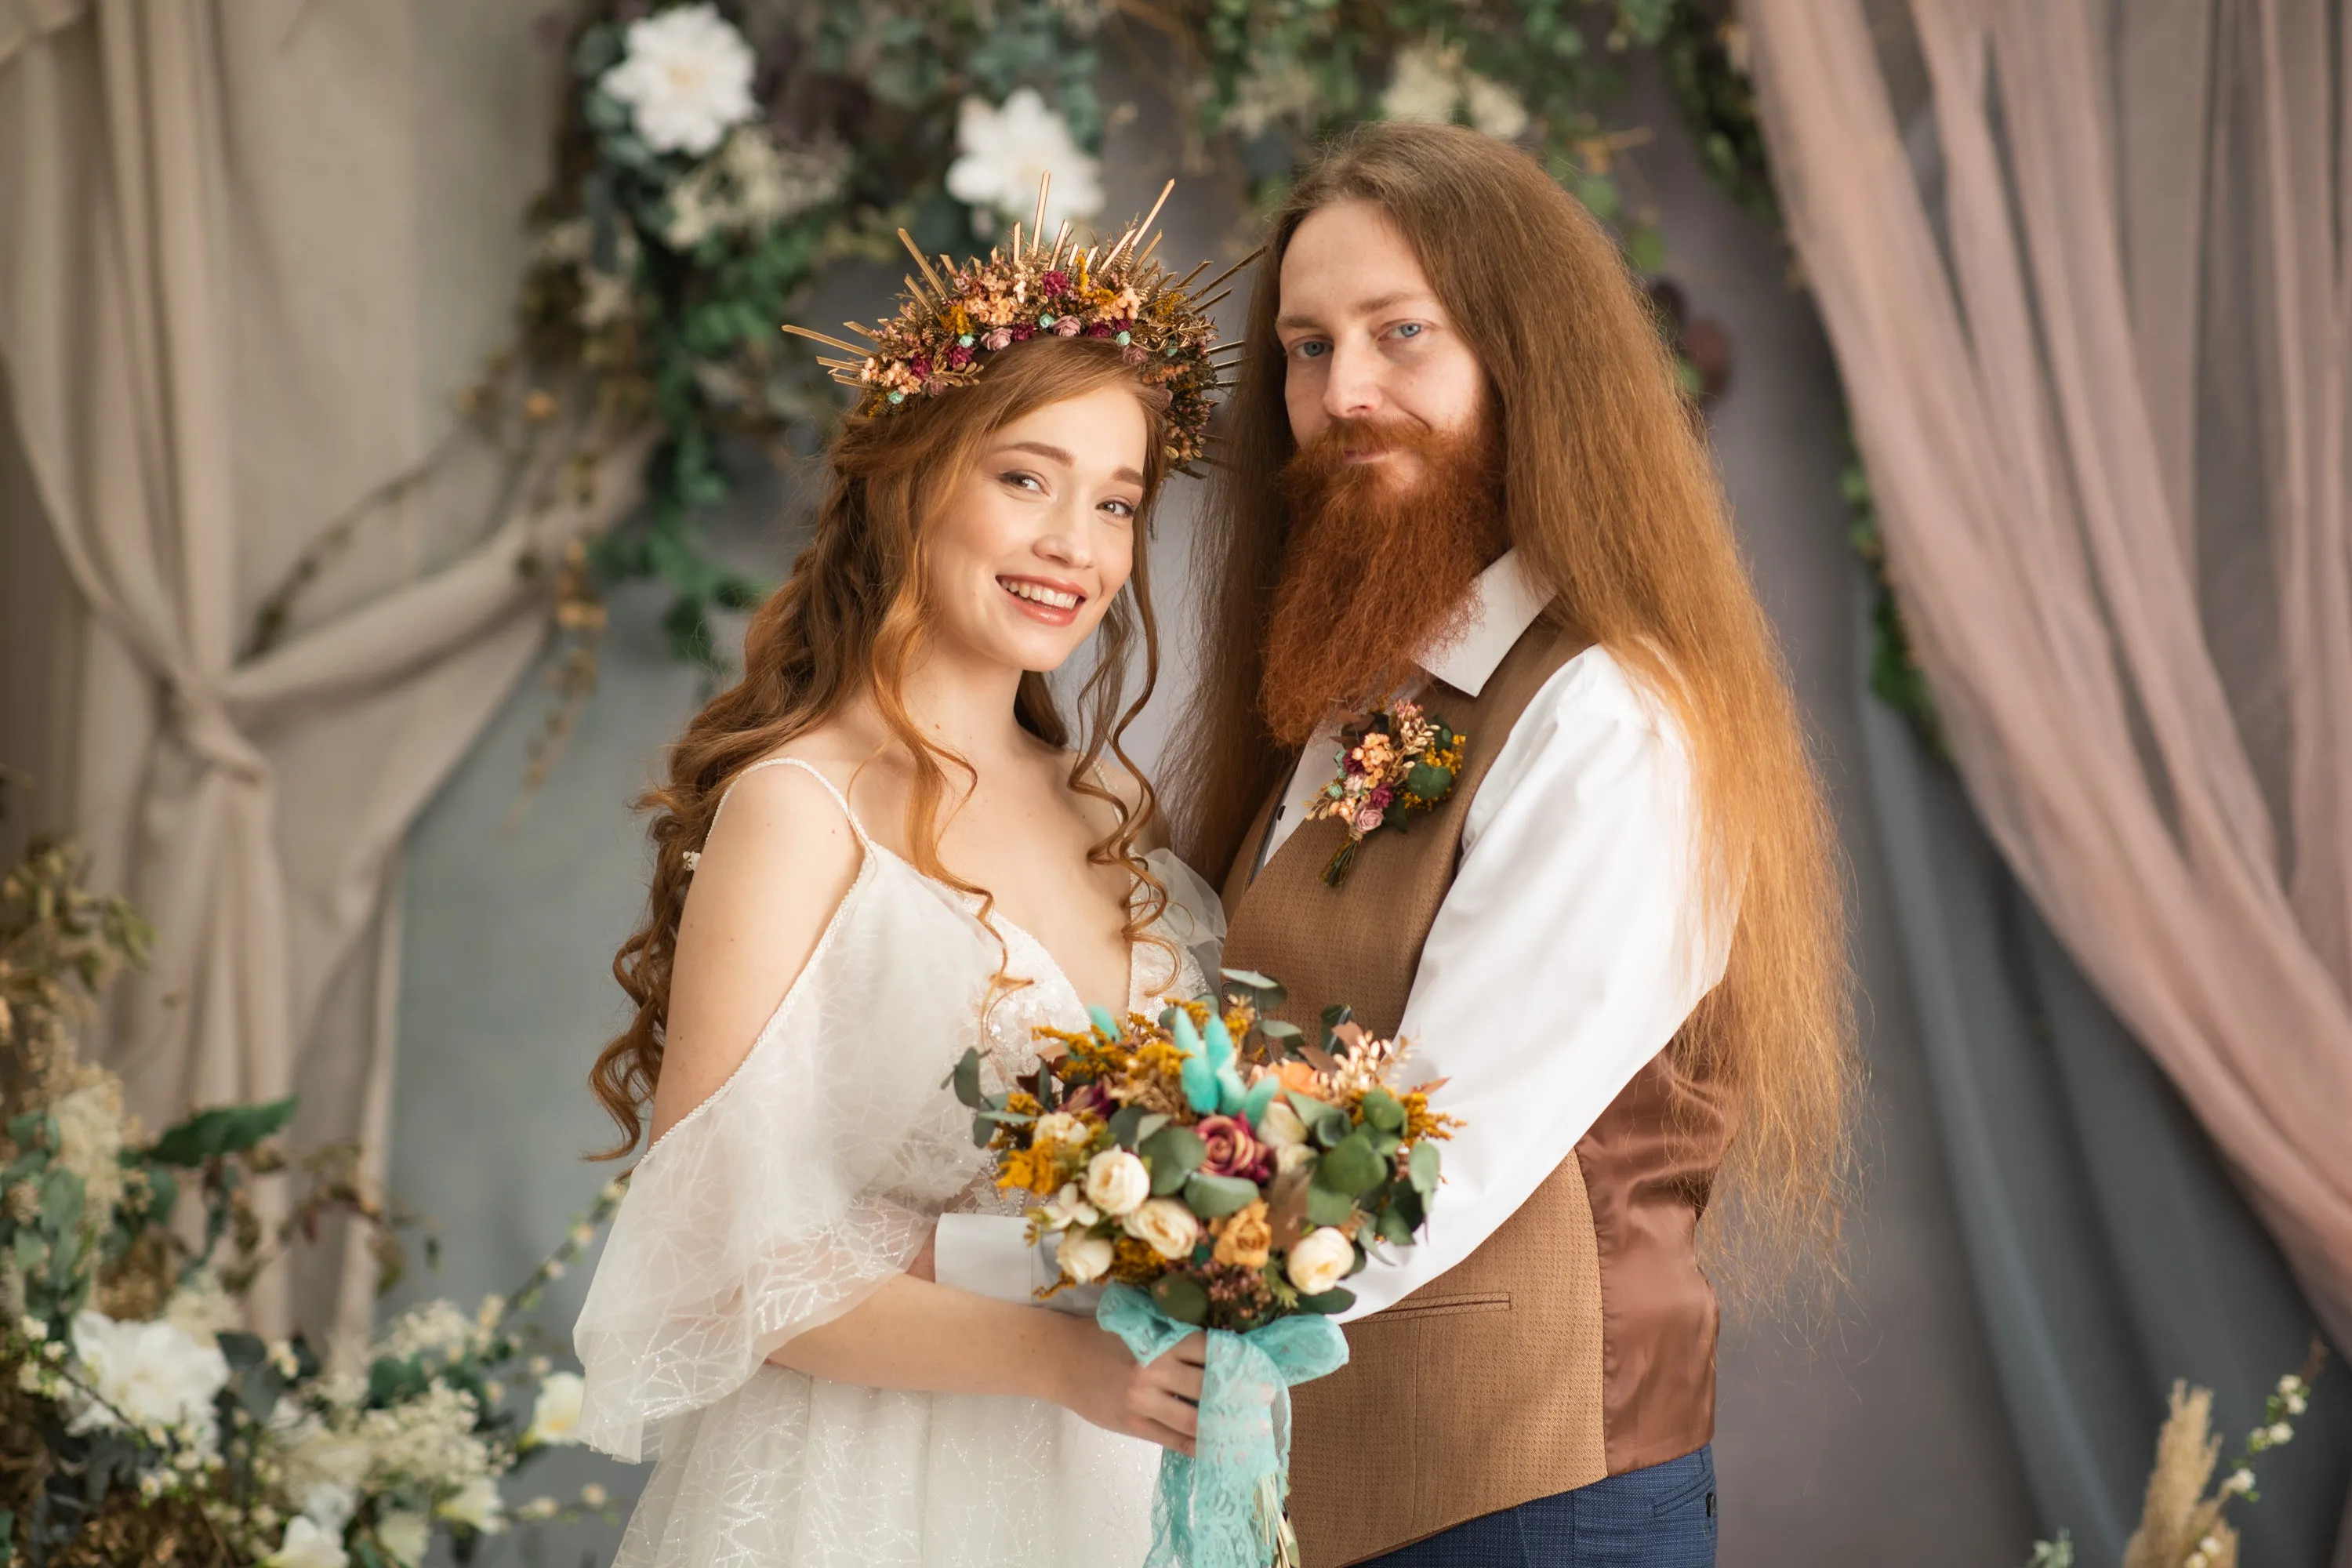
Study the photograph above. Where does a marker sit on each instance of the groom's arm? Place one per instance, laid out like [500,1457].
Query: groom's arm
[1570,949]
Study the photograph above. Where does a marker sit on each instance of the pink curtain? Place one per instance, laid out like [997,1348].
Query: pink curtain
[2084,265]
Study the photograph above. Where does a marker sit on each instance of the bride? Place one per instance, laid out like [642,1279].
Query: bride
[875,850]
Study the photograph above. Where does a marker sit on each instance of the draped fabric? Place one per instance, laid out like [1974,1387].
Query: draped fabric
[2082,263]
[213,334]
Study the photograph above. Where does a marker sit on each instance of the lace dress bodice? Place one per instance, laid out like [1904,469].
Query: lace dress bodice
[807,1180]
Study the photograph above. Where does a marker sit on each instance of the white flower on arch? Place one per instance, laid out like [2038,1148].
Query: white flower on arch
[1004,151]
[687,77]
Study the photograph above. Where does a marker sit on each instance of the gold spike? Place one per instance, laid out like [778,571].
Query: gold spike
[866,332]
[1229,272]
[1061,238]
[947,267]
[1217,299]
[841,367]
[1145,254]
[1044,183]
[1140,229]
[1188,277]
[830,342]
[1016,242]
[908,241]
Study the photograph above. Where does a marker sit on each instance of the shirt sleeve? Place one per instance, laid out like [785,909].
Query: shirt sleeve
[1568,951]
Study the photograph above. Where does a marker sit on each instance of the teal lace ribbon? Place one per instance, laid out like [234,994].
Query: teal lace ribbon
[1222,1508]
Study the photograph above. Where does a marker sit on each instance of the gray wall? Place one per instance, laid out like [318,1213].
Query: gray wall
[1881,1441]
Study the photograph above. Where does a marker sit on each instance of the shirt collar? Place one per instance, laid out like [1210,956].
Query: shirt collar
[1503,602]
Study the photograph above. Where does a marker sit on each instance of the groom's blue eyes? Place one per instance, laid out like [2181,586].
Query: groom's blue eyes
[1410,330]
[1311,350]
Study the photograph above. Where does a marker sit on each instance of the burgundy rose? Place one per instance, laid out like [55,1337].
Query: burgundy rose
[1090,1099]
[1234,1150]
[958,357]
[1024,332]
[920,367]
[1099,330]
[1380,797]
[1055,282]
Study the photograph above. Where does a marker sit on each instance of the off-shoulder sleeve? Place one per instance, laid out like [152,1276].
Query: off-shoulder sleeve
[765,1212]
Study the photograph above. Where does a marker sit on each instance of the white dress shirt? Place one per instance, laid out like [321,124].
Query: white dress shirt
[1568,952]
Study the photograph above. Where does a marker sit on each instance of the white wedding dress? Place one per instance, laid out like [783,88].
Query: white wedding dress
[807,1180]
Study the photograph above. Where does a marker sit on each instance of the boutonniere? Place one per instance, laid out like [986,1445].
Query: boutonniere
[1398,761]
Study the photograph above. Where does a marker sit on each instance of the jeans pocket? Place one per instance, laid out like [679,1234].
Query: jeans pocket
[1698,1491]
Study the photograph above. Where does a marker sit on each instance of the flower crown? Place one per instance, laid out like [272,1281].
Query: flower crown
[956,317]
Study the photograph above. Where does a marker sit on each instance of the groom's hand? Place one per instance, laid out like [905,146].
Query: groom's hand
[1159,1402]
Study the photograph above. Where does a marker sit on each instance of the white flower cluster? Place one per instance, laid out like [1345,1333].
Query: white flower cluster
[432,1329]
[1431,83]
[753,185]
[1006,149]
[154,1377]
[687,78]
[1272,95]
[89,1144]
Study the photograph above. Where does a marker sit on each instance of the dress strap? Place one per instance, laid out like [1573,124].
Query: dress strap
[809,768]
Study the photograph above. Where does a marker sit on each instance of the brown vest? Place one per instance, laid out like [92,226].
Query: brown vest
[1578,1340]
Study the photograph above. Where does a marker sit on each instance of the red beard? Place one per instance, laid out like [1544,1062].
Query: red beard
[1375,570]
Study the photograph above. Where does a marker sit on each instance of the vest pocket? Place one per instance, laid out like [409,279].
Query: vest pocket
[1440,1307]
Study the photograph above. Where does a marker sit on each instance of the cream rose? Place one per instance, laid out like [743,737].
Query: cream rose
[1061,1127]
[1117,1182]
[1320,1260]
[1165,1225]
[1280,1126]
[1066,1208]
[1084,1258]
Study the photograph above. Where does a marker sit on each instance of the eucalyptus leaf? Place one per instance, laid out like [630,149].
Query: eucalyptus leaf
[1423,1166]
[1212,1197]
[1383,1110]
[1393,1228]
[965,1079]
[1181,1297]
[1325,1206]
[1351,1167]
[1173,1154]
[1338,1298]
[1126,1124]
[223,1130]
[241,1349]
[61,1202]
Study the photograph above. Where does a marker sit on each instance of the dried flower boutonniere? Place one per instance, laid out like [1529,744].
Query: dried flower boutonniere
[1399,760]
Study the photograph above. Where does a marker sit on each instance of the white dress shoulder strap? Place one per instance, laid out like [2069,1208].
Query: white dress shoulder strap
[809,768]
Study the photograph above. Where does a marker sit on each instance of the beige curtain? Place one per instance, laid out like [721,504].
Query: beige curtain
[2082,263]
[228,311]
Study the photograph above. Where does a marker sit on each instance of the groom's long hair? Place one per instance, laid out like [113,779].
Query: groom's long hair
[1612,501]
[850,623]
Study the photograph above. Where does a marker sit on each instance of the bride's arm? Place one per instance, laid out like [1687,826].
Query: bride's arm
[777,862]
[915,1335]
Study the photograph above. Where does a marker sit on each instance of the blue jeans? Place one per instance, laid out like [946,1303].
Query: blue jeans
[1662,1517]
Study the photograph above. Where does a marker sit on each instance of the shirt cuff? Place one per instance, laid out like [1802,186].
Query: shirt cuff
[989,1255]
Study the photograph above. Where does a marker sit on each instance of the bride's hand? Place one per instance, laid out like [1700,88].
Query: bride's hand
[1103,1383]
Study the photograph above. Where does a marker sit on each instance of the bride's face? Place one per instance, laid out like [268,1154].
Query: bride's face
[1040,536]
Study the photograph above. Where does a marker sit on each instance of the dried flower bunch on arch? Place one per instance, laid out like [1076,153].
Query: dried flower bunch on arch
[953,318]
[139,1423]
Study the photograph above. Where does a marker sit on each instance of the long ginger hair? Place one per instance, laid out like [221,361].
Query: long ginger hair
[849,624]
[1612,501]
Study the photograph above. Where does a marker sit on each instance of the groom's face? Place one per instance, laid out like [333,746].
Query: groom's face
[1366,342]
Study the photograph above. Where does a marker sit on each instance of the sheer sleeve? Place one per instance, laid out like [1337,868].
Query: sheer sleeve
[781,1201]
[1195,916]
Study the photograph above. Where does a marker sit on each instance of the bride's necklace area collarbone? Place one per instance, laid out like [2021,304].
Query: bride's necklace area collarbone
[1010,924]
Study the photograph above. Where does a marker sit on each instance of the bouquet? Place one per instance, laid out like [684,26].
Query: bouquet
[1215,1170]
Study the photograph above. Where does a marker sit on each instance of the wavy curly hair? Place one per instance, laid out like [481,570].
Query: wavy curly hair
[849,624]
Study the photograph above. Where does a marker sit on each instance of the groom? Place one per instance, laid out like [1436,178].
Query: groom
[1459,470]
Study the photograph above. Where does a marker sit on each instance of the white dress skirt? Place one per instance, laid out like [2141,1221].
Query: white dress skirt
[807,1180]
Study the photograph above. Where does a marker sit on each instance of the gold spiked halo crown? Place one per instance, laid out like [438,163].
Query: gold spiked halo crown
[953,318]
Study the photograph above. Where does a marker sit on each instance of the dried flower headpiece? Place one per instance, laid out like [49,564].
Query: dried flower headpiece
[955,317]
